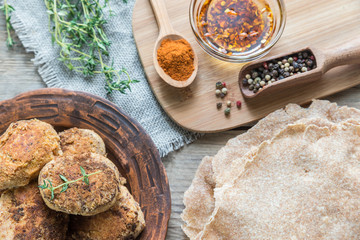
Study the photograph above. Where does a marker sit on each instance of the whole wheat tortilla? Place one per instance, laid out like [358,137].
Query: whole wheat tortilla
[302,184]
[195,215]
[200,195]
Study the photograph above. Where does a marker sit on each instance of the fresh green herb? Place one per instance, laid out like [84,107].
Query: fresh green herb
[78,30]
[48,184]
[8,9]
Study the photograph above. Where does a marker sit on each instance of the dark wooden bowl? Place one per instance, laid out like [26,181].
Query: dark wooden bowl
[128,145]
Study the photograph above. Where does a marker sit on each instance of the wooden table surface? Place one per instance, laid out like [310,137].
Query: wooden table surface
[18,74]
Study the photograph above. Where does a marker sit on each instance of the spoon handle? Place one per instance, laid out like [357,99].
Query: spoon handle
[348,53]
[162,17]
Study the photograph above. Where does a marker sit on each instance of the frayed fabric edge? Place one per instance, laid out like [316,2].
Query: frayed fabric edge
[165,149]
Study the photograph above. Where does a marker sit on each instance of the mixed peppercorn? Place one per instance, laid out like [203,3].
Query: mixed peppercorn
[221,91]
[278,69]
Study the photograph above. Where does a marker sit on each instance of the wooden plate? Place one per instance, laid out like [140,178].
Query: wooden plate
[128,145]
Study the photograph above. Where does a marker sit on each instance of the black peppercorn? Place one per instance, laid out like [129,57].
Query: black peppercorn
[296,65]
[222,95]
[275,73]
[245,82]
[286,74]
[219,105]
[309,63]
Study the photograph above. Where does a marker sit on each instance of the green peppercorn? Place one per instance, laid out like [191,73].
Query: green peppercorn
[267,77]
[257,80]
[262,83]
[303,69]
[224,91]
[227,111]
[250,81]
[219,85]
[248,76]
[290,60]
[287,65]
[286,69]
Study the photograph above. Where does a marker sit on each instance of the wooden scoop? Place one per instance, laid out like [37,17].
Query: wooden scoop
[348,53]
[166,31]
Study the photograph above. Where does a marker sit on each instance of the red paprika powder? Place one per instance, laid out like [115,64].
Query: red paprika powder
[176,58]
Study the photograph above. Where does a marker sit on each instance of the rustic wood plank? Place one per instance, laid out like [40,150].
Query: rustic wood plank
[17,71]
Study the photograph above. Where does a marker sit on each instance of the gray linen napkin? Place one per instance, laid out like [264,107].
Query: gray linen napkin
[30,22]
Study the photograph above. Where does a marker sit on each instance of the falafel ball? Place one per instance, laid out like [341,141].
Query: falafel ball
[25,148]
[79,141]
[81,198]
[124,220]
[24,215]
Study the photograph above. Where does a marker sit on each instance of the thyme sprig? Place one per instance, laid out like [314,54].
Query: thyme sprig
[78,28]
[64,186]
[8,9]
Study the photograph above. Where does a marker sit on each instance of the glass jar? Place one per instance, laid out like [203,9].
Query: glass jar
[237,30]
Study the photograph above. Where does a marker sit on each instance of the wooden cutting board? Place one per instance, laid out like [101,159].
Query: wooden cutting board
[322,24]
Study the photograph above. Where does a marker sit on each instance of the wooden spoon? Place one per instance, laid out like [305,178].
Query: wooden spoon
[348,53]
[166,31]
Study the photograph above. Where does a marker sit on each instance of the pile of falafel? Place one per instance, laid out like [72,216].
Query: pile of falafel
[31,153]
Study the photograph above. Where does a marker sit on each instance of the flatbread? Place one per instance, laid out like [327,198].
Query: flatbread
[302,184]
[217,170]
[200,195]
